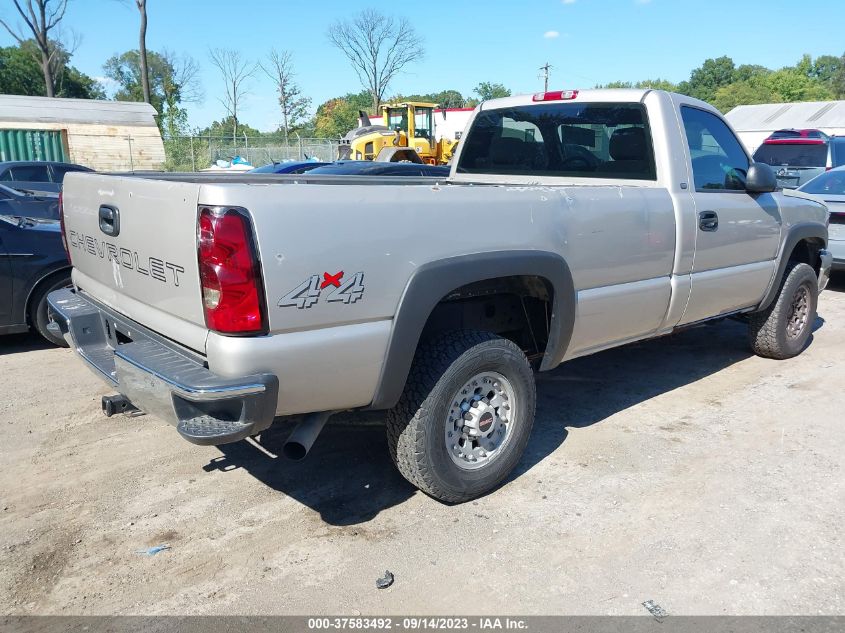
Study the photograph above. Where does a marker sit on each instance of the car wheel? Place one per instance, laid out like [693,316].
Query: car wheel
[38,308]
[465,416]
[782,330]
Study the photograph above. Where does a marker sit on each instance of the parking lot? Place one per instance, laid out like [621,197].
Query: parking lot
[683,470]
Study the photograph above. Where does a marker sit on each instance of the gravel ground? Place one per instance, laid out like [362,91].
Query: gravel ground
[682,470]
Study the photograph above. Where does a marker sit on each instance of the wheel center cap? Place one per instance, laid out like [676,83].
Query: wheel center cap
[485,422]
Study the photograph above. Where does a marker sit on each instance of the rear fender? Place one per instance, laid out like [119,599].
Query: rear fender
[432,282]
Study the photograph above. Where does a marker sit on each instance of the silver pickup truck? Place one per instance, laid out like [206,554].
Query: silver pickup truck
[571,222]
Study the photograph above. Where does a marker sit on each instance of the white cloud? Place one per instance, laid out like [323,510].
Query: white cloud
[550,35]
[642,1]
[568,1]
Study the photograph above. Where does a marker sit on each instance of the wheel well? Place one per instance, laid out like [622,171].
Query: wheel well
[807,252]
[42,283]
[518,308]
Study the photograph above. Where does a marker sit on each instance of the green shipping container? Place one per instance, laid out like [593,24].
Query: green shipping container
[31,145]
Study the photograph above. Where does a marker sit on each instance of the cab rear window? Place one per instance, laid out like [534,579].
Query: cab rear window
[792,155]
[594,140]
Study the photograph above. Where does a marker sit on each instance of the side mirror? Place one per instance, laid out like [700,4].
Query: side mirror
[761,179]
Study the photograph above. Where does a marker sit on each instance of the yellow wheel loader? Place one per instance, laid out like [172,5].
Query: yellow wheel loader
[407,135]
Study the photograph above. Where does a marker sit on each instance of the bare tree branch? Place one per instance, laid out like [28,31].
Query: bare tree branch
[236,72]
[185,75]
[40,17]
[378,47]
[279,68]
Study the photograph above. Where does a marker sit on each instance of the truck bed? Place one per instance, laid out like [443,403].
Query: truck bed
[281,179]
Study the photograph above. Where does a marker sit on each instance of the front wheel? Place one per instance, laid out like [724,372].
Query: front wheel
[465,416]
[782,330]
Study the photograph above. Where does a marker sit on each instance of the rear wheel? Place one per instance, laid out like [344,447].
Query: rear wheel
[783,329]
[465,416]
[38,308]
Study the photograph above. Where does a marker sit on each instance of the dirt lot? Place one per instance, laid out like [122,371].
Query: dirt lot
[684,471]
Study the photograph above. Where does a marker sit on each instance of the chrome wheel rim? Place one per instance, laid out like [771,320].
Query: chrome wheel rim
[799,313]
[478,425]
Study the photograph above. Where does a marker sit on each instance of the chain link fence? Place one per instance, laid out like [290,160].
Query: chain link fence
[194,153]
[147,151]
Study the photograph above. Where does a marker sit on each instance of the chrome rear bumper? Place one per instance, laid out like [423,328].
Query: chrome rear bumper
[160,377]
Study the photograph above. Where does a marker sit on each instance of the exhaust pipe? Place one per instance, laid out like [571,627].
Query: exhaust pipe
[305,434]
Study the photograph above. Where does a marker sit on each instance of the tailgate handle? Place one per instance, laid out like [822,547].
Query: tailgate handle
[109,220]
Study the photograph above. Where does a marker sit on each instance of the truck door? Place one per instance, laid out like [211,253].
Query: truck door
[5,273]
[423,141]
[738,233]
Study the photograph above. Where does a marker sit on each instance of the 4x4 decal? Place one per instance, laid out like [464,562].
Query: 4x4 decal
[306,294]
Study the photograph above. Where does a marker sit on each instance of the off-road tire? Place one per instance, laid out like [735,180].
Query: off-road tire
[416,425]
[768,329]
[38,308]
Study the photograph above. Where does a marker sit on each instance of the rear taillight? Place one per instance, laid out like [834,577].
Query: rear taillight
[793,141]
[232,292]
[62,226]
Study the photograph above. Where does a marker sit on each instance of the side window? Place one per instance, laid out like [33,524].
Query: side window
[6,176]
[719,162]
[30,173]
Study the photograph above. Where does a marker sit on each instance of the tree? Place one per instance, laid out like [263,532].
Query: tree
[21,74]
[294,106]
[830,71]
[654,84]
[487,90]
[142,42]
[449,99]
[236,72]
[337,116]
[41,17]
[783,86]
[378,47]
[745,72]
[792,84]
[173,81]
[708,78]
[226,127]
[443,99]
[748,91]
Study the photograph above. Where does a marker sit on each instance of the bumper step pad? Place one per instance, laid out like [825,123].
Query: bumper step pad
[205,429]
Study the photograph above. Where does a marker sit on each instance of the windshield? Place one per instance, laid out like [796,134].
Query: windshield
[397,119]
[793,155]
[833,182]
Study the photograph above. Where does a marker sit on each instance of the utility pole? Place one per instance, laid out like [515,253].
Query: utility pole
[546,70]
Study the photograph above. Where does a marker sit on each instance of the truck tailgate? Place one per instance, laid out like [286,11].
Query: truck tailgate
[132,243]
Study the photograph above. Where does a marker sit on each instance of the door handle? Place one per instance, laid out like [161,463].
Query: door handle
[708,221]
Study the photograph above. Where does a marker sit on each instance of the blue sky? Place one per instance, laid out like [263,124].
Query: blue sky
[467,41]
